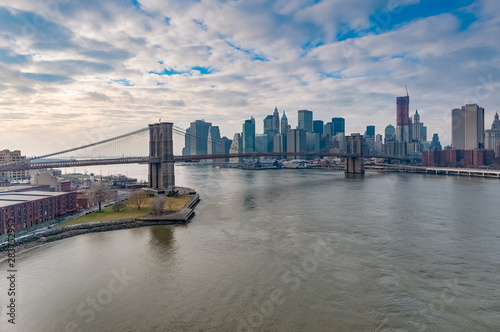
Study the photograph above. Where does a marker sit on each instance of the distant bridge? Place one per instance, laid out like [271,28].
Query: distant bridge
[161,158]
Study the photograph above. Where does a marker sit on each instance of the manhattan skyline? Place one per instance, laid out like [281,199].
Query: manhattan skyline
[126,64]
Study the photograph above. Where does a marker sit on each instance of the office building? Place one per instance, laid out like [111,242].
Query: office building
[236,148]
[276,121]
[338,126]
[269,125]
[306,120]
[370,131]
[312,142]
[199,137]
[7,157]
[249,136]
[467,130]
[492,137]
[435,144]
[186,151]
[296,142]
[390,133]
[403,121]
[328,129]
[318,126]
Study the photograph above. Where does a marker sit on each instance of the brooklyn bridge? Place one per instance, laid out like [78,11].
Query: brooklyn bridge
[161,158]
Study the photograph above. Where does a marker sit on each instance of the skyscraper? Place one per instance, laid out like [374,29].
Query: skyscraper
[402,119]
[213,140]
[403,111]
[296,142]
[236,147]
[492,137]
[318,127]
[199,137]
[435,144]
[249,136]
[390,133]
[416,132]
[467,130]
[276,121]
[338,126]
[306,120]
[269,125]
[370,131]
[186,151]
[284,124]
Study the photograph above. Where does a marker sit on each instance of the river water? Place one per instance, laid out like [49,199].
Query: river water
[280,250]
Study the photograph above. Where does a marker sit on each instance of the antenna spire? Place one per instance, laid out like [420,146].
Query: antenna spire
[406,87]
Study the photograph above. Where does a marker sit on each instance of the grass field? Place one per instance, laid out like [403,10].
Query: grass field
[128,212]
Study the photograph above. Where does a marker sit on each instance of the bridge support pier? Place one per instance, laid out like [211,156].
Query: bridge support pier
[355,145]
[161,174]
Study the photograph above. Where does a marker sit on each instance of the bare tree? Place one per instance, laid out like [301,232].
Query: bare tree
[98,193]
[158,204]
[137,197]
[117,206]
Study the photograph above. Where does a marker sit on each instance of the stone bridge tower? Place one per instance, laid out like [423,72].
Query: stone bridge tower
[355,145]
[161,149]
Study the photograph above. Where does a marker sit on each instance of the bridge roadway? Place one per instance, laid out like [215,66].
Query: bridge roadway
[147,160]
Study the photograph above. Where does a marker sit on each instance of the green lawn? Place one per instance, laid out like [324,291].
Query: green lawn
[128,212]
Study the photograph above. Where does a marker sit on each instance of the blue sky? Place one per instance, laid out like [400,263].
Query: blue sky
[109,67]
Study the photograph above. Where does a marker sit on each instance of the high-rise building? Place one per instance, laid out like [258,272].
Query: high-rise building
[318,126]
[284,124]
[276,121]
[435,144]
[236,147]
[403,111]
[261,143]
[296,142]
[199,137]
[467,130]
[306,120]
[328,129]
[403,121]
[269,125]
[370,131]
[215,145]
[338,126]
[369,138]
[417,128]
[7,157]
[390,133]
[492,137]
[312,142]
[249,136]
[186,151]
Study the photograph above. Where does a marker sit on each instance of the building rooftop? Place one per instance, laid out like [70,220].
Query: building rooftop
[12,198]
[18,188]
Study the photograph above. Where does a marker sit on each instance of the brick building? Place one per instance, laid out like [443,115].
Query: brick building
[458,158]
[28,208]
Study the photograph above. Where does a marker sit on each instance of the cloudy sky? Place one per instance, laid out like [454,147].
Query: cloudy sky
[74,71]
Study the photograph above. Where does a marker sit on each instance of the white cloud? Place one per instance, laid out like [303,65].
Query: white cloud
[96,44]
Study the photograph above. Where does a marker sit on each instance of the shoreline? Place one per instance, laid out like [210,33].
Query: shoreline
[181,217]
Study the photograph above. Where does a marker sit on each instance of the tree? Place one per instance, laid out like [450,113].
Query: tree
[158,203]
[137,197]
[117,206]
[98,193]
[173,193]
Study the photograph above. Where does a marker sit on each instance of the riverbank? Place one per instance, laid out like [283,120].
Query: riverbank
[181,217]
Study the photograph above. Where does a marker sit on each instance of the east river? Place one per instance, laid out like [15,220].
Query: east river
[280,250]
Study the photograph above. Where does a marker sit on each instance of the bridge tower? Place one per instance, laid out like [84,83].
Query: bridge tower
[161,151]
[355,145]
